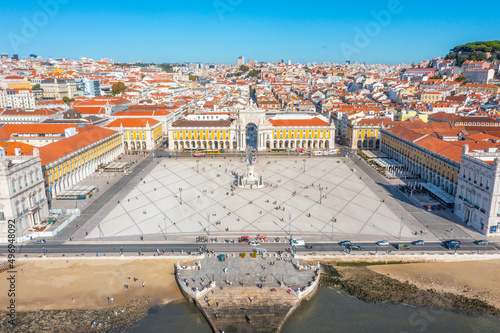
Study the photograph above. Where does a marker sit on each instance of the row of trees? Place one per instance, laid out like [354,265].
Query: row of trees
[491,46]
[477,52]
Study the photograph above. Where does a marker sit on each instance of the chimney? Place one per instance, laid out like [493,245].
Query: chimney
[17,151]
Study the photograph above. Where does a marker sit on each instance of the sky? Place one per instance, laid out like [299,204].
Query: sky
[375,32]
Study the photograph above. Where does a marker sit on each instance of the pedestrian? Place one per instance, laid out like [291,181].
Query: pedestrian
[73,300]
[143,284]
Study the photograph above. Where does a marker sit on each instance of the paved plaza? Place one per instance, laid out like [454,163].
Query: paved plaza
[169,197]
[236,272]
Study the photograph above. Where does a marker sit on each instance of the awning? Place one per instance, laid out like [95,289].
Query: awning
[441,194]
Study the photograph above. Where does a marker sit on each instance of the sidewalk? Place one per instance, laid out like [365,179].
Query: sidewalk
[443,224]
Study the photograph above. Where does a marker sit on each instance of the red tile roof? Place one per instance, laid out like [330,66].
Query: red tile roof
[86,136]
[299,122]
[133,122]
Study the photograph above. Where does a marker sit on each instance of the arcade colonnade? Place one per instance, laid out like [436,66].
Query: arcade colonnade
[70,169]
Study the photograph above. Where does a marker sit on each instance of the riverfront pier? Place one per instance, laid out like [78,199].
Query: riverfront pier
[248,294]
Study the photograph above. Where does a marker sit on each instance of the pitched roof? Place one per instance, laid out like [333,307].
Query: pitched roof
[85,137]
[133,122]
[299,122]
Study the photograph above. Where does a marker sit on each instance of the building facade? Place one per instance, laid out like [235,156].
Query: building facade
[22,193]
[477,200]
[252,128]
[71,160]
[138,134]
[17,99]
[419,155]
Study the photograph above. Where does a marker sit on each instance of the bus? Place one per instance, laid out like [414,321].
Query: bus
[212,152]
[193,150]
[278,150]
[318,153]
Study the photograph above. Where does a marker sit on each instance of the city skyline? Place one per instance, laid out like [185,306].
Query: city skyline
[221,30]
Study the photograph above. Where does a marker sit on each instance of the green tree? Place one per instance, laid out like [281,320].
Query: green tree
[67,99]
[461,60]
[437,77]
[461,78]
[325,73]
[244,68]
[36,86]
[253,73]
[451,55]
[118,88]
[193,78]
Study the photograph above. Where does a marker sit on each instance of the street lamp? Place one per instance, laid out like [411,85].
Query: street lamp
[121,250]
[198,166]
[320,193]
[180,194]
[304,165]
[333,221]
[44,251]
[401,228]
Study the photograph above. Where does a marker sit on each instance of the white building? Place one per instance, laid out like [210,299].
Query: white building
[477,199]
[22,193]
[240,61]
[17,99]
[90,88]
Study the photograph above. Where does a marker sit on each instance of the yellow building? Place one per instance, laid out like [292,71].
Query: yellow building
[68,161]
[139,134]
[427,157]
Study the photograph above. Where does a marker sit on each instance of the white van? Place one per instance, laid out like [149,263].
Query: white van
[297,242]
[260,251]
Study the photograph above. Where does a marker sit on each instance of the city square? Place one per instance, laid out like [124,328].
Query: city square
[182,198]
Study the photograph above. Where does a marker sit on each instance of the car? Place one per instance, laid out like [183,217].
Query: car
[297,242]
[452,246]
[254,243]
[354,247]
[482,242]
[40,241]
[382,243]
[452,241]
[345,243]
[403,247]
[418,242]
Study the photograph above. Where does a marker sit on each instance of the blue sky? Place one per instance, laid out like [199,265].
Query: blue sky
[222,30]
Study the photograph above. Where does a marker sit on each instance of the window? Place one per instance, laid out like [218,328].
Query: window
[14,186]
[20,184]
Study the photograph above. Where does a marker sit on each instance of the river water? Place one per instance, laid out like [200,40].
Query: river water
[332,311]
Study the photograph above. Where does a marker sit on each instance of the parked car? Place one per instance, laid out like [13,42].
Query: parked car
[354,247]
[419,243]
[453,241]
[482,242]
[403,247]
[345,243]
[254,243]
[40,241]
[383,243]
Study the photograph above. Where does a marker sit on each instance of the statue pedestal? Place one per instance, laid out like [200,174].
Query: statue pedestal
[250,180]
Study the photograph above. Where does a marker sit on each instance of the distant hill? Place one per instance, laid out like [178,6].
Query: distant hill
[477,51]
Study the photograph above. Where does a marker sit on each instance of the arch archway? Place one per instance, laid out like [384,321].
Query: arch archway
[252,134]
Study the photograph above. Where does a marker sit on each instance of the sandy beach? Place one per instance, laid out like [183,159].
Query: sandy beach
[52,284]
[474,279]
